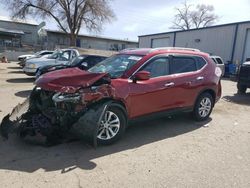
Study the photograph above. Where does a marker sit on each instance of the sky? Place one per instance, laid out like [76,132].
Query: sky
[140,17]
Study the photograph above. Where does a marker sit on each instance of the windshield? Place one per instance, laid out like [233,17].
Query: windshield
[55,55]
[115,65]
[74,62]
[37,53]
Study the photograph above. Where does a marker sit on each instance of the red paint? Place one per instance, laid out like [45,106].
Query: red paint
[144,96]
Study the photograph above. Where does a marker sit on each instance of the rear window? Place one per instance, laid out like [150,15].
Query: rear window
[219,61]
[182,65]
[200,62]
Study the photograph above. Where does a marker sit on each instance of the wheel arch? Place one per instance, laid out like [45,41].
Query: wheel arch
[117,103]
[207,90]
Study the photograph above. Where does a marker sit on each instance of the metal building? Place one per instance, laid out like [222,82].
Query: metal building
[230,41]
[18,34]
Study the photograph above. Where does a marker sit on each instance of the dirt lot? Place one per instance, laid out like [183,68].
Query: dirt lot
[169,152]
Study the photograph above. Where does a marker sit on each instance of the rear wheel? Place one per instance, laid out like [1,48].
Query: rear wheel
[203,107]
[112,126]
[241,88]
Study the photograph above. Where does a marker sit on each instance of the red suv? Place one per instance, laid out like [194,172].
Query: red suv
[98,104]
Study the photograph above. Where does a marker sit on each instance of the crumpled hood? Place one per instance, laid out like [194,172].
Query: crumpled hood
[68,80]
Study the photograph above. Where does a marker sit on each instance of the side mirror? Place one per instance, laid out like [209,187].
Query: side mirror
[84,64]
[141,75]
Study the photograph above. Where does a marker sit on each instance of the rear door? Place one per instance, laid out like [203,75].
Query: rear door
[188,79]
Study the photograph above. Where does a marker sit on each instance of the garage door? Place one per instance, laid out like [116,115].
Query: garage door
[247,46]
[161,42]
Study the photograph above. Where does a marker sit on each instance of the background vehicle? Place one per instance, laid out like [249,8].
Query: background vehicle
[83,62]
[244,77]
[57,58]
[22,59]
[98,104]
[220,63]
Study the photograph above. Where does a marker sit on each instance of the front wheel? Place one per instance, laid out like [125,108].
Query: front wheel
[112,126]
[203,107]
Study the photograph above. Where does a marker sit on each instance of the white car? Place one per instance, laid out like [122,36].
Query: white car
[37,54]
[219,62]
[59,57]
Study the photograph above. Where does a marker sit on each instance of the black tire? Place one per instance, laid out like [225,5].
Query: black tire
[196,114]
[123,122]
[241,88]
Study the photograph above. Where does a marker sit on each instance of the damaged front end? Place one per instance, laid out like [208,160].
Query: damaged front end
[55,116]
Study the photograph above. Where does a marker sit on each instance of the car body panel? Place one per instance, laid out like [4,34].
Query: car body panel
[73,78]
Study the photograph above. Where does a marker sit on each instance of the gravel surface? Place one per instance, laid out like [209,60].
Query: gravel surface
[170,152]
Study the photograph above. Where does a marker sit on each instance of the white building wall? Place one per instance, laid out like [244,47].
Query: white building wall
[215,41]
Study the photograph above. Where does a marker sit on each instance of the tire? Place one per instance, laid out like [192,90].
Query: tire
[241,88]
[203,107]
[109,133]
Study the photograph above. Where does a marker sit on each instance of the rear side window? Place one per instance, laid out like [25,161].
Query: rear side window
[158,67]
[200,62]
[219,61]
[182,65]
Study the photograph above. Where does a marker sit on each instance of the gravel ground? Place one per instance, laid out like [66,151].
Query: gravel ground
[169,152]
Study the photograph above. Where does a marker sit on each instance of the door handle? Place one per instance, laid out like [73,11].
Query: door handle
[200,78]
[169,84]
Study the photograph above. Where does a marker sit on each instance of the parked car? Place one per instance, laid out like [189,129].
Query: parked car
[83,62]
[98,104]
[244,77]
[22,59]
[57,58]
[220,63]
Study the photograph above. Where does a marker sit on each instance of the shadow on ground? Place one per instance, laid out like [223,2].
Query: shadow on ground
[16,72]
[16,68]
[23,94]
[243,99]
[21,80]
[19,156]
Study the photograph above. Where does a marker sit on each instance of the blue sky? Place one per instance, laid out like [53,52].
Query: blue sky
[139,17]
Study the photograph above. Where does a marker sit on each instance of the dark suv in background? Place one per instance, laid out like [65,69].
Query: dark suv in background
[98,104]
[244,77]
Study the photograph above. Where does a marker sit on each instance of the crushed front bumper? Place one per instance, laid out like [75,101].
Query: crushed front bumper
[38,117]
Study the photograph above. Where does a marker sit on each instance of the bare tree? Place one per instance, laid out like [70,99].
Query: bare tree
[203,16]
[70,15]
[187,17]
[183,19]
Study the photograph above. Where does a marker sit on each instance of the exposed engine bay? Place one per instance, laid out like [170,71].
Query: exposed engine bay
[57,116]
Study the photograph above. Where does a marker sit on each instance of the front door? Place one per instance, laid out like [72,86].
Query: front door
[155,94]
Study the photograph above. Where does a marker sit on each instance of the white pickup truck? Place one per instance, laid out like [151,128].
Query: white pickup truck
[59,57]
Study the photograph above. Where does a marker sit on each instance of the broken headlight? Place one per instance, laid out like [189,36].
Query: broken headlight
[66,97]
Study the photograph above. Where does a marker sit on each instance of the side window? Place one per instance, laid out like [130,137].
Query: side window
[73,55]
[158,67]
[219,61]
[182,65]
[90,60]
[65,56]
[214,60]
[200,62]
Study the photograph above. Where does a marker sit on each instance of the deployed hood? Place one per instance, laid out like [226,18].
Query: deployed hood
[68,80]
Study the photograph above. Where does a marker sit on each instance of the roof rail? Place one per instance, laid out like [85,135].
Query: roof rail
[177,48]
[130,49]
